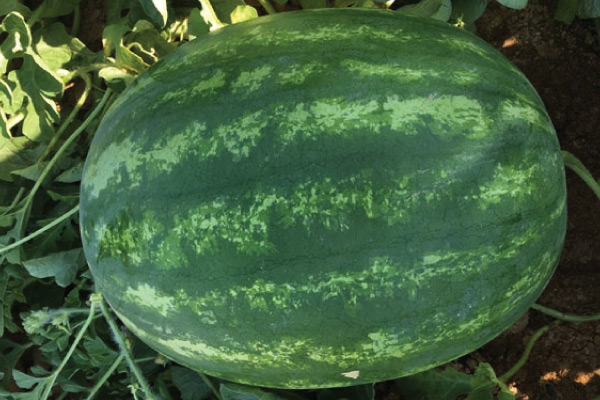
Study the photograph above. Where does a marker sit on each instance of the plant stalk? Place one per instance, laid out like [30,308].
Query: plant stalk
[211,385]
[37,233]
[52,378]
[125,352]
[57,155]
[105,377]
[577,166]
[14,120]
[515,368]
[80,102]
[566,317]
[268,6]
[76,21]
[208,13]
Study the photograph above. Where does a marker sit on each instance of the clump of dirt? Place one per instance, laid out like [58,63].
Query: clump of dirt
[563,64]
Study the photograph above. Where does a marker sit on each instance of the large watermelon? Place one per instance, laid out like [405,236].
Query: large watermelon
[324,198]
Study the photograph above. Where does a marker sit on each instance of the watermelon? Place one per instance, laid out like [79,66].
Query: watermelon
[324,198]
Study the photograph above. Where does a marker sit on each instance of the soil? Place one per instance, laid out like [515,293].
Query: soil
[563,64]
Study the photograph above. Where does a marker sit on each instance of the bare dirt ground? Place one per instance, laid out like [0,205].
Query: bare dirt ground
[563,64]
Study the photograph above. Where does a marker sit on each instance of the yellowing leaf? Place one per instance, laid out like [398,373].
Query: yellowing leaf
[243,13]
[112,39]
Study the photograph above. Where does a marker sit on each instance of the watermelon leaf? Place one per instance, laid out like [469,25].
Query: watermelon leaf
[62,266]
[437,384]
[25,381]
[190,384]
[112,38]
[57,8]
[484,382]
[41,86]
[15,153]
[243,13]
[157,10]
[31,172]
[116,78]
[359,392]
[144,34]
[8,6]
[589,9]
[3,286]
[436,9]
[468,11]
[516,4]
[234,391]
[308,4]
[196,25]
[448,384]
[17,41]
[505,393]
[71,175]
[224,8]
[566,10]
[56,47]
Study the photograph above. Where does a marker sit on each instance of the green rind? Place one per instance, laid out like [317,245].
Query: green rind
[324,198]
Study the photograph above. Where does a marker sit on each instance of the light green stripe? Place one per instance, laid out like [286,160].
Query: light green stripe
[446,116]
[250,81]
[383,278]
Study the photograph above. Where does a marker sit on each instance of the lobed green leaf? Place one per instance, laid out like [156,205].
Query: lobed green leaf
[41,86]
[243,13]
[468,11]
[62,266]
[8,6]
[589,9]
[234,391]
[437,384]
[157,10]
[190,384]
[566,10]
[516,4]
[436,9]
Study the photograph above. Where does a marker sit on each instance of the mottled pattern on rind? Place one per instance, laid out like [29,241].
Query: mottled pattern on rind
[285,204]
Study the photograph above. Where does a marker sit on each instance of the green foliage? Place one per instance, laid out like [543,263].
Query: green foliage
[243,13]
[157,10]
[63,266]
[516,4]
[52,92]
[467,11]
[190,384]
[449,384]
[567,10]
[436,9]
